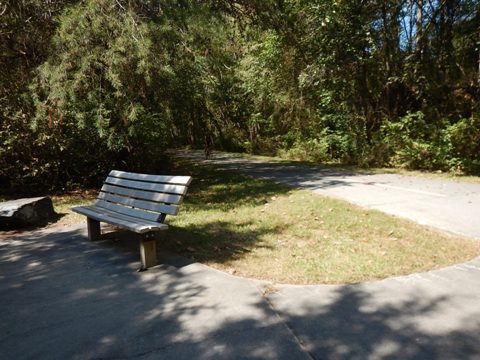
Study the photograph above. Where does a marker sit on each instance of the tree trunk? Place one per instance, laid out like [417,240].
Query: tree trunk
[419,27]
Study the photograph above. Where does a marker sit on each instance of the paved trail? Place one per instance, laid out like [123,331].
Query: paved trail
[65,297]
[448,205]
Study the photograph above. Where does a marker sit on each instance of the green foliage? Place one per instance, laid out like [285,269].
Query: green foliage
[408,141]
[94,84]
[461,143]
[101,73]
[26,156]
[412,143]
[336,138]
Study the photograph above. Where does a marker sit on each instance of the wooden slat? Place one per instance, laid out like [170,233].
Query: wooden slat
[140,214]
[149,186]
[126,222]
[140,204]
[113,214]
[170,179]
[137,202]
[123,221]
[143,195]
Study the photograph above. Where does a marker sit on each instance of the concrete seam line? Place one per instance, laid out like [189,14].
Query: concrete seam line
[297,339]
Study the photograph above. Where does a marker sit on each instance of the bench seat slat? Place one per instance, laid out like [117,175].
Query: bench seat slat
[179,180]
[149,186]
[104,211]
[141,204]
[134,213]
[126,222]
[143,195]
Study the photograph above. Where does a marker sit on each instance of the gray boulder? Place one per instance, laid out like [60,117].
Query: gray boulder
[26,212]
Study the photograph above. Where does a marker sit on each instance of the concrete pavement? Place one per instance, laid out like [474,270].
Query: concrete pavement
[63,297]
[448,205]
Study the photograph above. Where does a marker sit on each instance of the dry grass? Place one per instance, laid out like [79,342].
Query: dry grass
[63,202]
[257,229]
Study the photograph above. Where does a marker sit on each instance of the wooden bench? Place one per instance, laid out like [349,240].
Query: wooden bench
[136,202]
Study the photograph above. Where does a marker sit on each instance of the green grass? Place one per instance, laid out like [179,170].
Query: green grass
[63,202]
[255,228]
[258,229]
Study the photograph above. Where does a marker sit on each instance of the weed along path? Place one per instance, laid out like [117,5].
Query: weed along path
[445,204]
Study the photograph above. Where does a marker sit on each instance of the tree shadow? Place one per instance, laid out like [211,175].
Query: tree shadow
[224,190]
[357,322]
[220,191]
[65,297]
[218,241]
[62,296]
[286,173]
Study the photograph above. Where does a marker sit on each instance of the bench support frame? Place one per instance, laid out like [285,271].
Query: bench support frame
[148,244]
[93,228]
[148,251]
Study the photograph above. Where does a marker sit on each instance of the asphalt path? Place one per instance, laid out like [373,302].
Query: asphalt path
[449,205]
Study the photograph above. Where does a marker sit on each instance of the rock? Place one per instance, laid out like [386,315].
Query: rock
[26,212]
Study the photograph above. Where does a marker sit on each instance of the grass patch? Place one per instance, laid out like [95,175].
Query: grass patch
[259,229]
[255,228]
[63,202]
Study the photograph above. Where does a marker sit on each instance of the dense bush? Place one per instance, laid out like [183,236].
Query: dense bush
[412,143]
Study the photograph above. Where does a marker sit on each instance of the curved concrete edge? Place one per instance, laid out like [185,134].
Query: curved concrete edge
[427,315]
[471,266]
[66,297]
[454,271]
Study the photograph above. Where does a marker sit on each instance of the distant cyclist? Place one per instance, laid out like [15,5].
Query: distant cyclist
[207,145]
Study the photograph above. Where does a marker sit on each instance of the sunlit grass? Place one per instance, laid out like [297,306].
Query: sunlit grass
[258,229]
[255,228]
[63,202]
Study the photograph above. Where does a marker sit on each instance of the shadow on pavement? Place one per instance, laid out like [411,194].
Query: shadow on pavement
[352,325]
[63,297]
[293,174]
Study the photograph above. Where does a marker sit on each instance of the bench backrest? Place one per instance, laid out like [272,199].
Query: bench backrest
[148,197]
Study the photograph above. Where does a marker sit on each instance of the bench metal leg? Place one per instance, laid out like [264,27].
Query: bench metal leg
[93,227]
[148,251]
